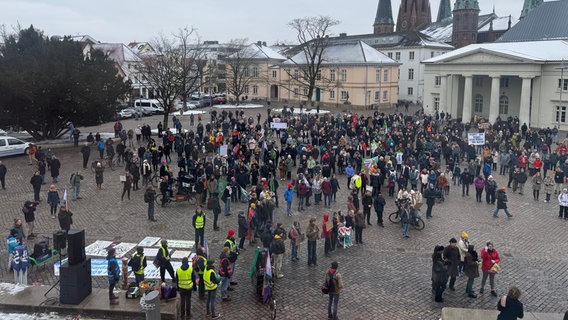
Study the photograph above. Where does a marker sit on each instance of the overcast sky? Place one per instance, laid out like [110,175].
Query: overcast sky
[222,20]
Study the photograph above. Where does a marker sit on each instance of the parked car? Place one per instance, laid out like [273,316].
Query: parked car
[125,114]
[10,146]
[205,102]
[219,100]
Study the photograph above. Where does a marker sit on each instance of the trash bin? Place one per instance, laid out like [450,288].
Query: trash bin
[150,304]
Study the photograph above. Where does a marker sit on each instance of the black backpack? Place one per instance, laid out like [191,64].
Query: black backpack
[147,197]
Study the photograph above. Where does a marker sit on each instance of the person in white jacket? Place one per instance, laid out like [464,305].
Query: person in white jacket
[563,202]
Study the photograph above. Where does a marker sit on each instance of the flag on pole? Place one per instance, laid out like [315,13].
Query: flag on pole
[65,199]
[268,267]
[206,247]
[254,262]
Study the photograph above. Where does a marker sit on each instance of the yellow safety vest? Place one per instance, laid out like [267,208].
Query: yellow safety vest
[184,278]
[199,271]
[165,253]
[199,222]
[209,285]
[232,244]
[358,182]
[141,270]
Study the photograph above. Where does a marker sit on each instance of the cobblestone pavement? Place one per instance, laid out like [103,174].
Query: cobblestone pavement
[388,277]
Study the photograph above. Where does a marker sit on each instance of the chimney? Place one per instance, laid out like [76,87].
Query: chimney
[259,43]
[342,35]
[509,24]
[264,43]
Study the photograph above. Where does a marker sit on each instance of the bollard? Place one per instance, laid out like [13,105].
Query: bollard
[150,304]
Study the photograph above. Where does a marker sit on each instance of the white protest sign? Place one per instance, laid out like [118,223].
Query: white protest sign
[476,139]
[278,125]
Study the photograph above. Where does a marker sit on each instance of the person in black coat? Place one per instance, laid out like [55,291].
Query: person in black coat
[439,274]
[379,203]
[466,180]
[64,217]
[55,166]
[243,229]
[430,194]
[510,306]
[35,181]
[86,152]
[3,171]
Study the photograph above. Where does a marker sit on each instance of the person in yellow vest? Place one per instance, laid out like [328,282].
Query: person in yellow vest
[200,264]
[185,277]
[163,258]
[199,225]
[211,284]
[138,263]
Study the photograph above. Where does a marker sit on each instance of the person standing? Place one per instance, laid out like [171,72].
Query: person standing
[359,225]
[243,229]
[430,194]
[113,275]
[65,218]
[490,189]
[452,260]
[185,278]
[471,269]
[149,197]
[521,178]
[289,197]
[379,203]
[216,210]
[296,238]
[312,233]
[3,171]
[75,181]
[99,175]
[463,244]
[335,285]
[479,184]
[489,257]
[563,204]
[226,197]
[126,185]
[35,181]
[211,284]
[466,181]
[29,215]
[164,262]
[439,274]
[86,152]
[53,200]
[510,307]
[226,272]
[502,202]
[548,187]
[536,185]
[199,225]
[278,248]
[138,263]
[367,202]
[326,229]
[200,265]
[55,167]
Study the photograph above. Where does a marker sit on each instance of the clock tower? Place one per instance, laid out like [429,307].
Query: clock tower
[412,14]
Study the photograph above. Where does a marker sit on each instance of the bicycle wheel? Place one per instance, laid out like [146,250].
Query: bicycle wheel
[394,217]
[158,199]
[419,224]
[273,308]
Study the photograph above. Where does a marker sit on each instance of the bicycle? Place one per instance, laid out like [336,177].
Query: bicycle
[106,162]
[418,224]
[154,179]
[184,194]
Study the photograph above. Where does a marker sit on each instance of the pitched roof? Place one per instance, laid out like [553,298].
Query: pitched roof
[256,51]
[347,52]
[117,52]
[442,31]
[547,21]
[396,39]
[531,51]
[444,11]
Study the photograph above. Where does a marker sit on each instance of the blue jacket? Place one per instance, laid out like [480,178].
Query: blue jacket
[289,195]
[349,171]
[113,270]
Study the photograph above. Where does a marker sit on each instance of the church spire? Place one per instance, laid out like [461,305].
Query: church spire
[384,22]
[445,11]
[529,6]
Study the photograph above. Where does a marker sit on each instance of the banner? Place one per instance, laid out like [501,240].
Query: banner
[476,139]
[367,162]
[278,125]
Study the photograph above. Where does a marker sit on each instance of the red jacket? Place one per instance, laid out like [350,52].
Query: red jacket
[324,231]
[302,189]
[487,257]
[326,187]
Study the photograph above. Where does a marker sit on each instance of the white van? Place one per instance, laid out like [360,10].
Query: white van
[148,106]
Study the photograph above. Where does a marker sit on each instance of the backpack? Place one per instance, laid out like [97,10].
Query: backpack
[147,197]
[330,285]
[72,178]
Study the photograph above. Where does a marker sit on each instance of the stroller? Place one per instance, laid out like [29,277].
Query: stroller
[344,236]
[261,278]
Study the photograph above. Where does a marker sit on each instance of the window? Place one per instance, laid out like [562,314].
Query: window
[503,105]
[274,74]
[378,76]
[410,91]
[246,72]
[478,82]
[504,82]
[295,92]
[397,56]
[255,90]
[306,92]
[410,74]
[437,81]
[563,83]
[2,143]
[331,95]
[411,55]
[385,75]
[332,75]
[377,96]
[343,75]
[436,103]
[389,54]
[246,89]
[561,114]
[385,95]
[478,105]
[255,72]
[318,75]
[344,95]
[432,54]
[296,74]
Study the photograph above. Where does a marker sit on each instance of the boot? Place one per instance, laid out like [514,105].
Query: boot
[113,301]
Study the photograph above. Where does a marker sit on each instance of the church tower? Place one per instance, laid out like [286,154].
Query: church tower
[445,11]
[528,6]
[465,21]
[413,14]
[383,20]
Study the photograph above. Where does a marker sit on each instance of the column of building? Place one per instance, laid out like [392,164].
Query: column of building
[494,101]
[524,110]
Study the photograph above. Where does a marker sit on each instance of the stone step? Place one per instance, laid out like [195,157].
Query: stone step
[479,314]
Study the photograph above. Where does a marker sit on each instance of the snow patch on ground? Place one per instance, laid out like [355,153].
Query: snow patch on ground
[35,316]
[187,113]
[11,288]
[308,111]
[241,106]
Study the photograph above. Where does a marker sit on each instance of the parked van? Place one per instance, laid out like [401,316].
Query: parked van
[10,146]
[148,106]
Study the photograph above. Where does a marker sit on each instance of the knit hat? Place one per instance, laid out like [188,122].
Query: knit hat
[231,232]
[464,235]
[290,186]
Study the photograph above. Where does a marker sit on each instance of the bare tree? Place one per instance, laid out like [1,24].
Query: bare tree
[175,69]
[313,37]
[242,68]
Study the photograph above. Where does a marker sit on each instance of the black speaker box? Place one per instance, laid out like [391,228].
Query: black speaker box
[76,243]
[59,240]
[75,282]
